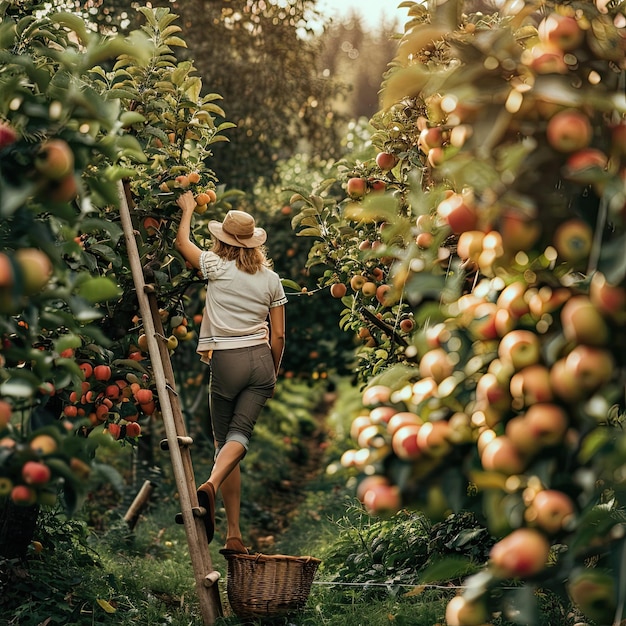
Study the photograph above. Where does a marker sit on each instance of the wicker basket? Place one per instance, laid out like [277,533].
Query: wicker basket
[269,585]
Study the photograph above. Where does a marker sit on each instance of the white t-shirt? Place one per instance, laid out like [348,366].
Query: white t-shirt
[237,305]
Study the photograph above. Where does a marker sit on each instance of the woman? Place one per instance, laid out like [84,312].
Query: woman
[243,350]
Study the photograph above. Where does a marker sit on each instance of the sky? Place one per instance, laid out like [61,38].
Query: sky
[373,12]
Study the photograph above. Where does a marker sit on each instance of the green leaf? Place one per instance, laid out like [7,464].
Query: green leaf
[290,284]
[99,289]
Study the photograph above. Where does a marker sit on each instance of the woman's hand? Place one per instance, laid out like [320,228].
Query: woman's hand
[186,202]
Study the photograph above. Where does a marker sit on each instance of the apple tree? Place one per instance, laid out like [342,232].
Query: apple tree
[82,124]
[493,215]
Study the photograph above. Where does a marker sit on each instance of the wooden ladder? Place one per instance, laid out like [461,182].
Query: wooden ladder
[177,441]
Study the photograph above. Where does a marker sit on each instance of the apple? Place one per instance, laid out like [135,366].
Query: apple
[569,130]
[436,364]
[607,298]
[172,342]
[133,429]
[563,384]
[356,187]
[23,495]
[406,325]
[8,135]
[382,499]
[55,159]
[461,216]
[357,282]
[102,372]
[491,392]
[402,418]
[6,486]
[35,473]
[581,166]
[62,190]
[436,156]
[80,468]
[500,454]
[518,232]
[6,410]
[522,553]
[546,300]
[551,510]
[589,367]
[594,592]
[432,438]
[338,290]
[544,58]
[513,299]
[531,385]
[43,444]
[404,442]
[573,240]
[470,244]
[386,160]
[482,323]
[382,414]
[368,289]
[359,423]
[583,323]
[546,425]
[562,31]
[463,612]
[36,269]
[520,348]
[376,394]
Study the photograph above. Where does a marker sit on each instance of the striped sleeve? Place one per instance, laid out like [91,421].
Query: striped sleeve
[211,265]
[278,295]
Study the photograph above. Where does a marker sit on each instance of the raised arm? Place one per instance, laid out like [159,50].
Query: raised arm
[184,245]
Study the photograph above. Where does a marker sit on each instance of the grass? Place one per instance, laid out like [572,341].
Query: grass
[370,567]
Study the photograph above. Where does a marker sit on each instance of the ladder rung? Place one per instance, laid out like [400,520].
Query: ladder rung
[196,511]
[211,578]
[183,442]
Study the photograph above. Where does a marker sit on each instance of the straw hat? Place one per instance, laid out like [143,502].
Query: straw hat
[238,229]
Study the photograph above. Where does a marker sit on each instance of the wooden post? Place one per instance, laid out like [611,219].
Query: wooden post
[141,499]
[205,577]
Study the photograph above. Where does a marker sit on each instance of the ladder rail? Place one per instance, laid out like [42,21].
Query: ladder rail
[204,574]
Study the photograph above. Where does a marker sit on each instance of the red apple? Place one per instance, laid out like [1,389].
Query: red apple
[356,187]
[376,394]
[551,510]
[458,214]
[35,473]
[582,165]
[547,423]
[430,138]
[544,58]
[368,482]
[55,159]
[382,294]
[520,348]
[386,160]
[7,135]
[583,323]
[562,31]
[513,299]
[609,299]
[522,553]
[436,364]
[482,323]
[404,442]
[358,424]
[546,300]
[564,384]
[589,367]
[36,269]
[43,444]
[531,385]
[518,232]
[338,290]
[500,454]
[23,495]
[382,414]
[490,392]
[432,438]
[6,410]
[381,499]
[569,130]
[402,418]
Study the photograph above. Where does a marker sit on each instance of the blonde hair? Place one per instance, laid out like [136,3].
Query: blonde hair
[249,260]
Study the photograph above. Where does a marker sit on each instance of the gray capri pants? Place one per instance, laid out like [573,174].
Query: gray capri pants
[241,381]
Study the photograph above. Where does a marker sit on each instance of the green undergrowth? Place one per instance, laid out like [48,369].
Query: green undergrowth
[399,570]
